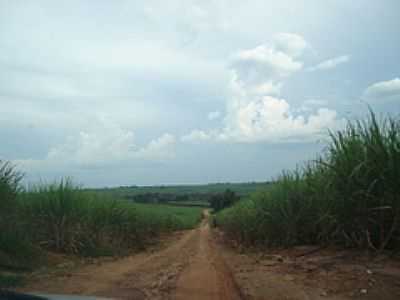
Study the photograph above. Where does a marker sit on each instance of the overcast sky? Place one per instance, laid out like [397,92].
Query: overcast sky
[162,92]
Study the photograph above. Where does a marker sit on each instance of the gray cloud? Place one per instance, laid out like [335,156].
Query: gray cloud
[123,87]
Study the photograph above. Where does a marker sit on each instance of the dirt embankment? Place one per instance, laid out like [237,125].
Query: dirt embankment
[197,265]
[312,273]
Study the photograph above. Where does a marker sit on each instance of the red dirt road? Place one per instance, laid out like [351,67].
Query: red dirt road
[206,276]
[189,268]
[197,264]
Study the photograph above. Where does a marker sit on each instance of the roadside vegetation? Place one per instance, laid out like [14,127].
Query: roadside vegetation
[64,218]
[348,196]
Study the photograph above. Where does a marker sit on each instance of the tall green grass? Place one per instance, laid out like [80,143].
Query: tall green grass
[62,217]
[349,196]
[16,249]
[65,218]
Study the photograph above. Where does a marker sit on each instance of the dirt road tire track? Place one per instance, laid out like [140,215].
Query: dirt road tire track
[207,276]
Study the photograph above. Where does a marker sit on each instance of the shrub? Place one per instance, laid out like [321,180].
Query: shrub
[223,200]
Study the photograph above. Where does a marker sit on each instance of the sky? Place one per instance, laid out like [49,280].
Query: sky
[178,92]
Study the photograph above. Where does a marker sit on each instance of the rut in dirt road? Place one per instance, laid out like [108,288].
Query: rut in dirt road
[206,276]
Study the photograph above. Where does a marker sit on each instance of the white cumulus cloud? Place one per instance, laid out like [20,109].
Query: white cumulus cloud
[105,143]
[290,43]
[196,136]
[158,149]
[262,68]
[384,90]
[273,120]
[255,112]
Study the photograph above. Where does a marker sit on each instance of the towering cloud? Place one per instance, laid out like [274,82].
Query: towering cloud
[255,113]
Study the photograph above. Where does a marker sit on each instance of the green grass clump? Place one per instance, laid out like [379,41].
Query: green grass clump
[349,196]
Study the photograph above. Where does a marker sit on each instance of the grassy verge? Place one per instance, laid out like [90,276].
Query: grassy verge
[349,196]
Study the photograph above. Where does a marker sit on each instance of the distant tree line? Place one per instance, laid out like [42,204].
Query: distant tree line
[217,201]
[169,197]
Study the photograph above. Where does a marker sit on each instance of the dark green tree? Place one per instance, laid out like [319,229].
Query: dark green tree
[223,200]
